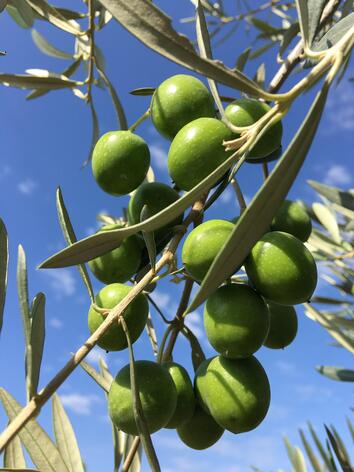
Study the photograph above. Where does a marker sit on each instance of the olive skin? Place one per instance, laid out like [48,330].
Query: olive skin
[157,393]
[197,150]
[292,218]
[236,320]
[200,386]
[185,395]
[135,316]
[283,326]
[203,244]
[245,112]
[238,393]
[156,196]
[120,264]
[201,431]
[282,269]
[177,101]
[120,162]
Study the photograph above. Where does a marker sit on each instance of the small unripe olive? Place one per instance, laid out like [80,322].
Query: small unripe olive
[120,162]
[197,150]
[157,394]
[179,100]
[185,394]
[236,320]
[200,384]
[293,218]
[283,326]
[120,264]
[282,269]
[245,112]
[135,316]
[201,431]
[203,244]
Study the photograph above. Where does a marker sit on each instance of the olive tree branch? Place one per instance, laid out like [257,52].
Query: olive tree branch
[91,62]
[131,454]
[34,406]
[296,54]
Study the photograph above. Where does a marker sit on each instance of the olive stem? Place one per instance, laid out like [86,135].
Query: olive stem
[265,170]
[142,118]
[240,198]
[91,62]
[131,454]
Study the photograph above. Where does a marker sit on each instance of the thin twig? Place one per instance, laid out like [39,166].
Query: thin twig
[265,170]
[91,62]
[240,198]
[131,454]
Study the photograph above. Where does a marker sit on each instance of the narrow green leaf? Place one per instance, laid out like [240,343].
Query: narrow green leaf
[65,437]
[317,467]
[289,449]
[3,4]
[99,243]
[41,449]
[242,59]
[152,335]
[47,48]
[334,34]
[327,220]
[136,464]
[122,120]
[36,341]
[22,288]
[4,263]
[288,36]
[340,443]
[143,91]
[70,238]
[50,13]
[149,237]
[21,12]
[302,12]
[258,52]
[299,460]
[36,82]
[339,452]
[351,429]
[95,131]
[96,376]
[152,27]
[321,449]
[315,9]
[333,194]
[257,217]
[331,301]
[336,373]
[260,75]
[18,470]
[198,355]
[13,455]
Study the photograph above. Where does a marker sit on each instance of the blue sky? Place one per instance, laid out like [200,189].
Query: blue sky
[43,145]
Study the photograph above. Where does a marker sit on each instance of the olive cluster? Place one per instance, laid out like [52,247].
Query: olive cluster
[231,390]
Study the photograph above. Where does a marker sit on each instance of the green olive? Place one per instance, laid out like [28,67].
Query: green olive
[292,218]
[177,101]
[120,162]
[282,269]
[283,326]
[135,316]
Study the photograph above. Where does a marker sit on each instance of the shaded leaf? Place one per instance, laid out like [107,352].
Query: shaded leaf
[149,237]
[322,451]
[339,451]
[330,301]
[315,9]
[317,467]
[21,12]
[4,263]
[96,376]
[22,287]
[41,449]
[47,48]
[65,437]
[13,455]
[144,91]
[18,470]
[122,120]
[333,194]
[328,220]
[152,27]
[136,463]
[334,34]
[50,13]
[256,218]
[336,373]
[198,355]
[70,238]
[242,59]
[288,36]
[302,12]
[36,341]
[36,82]
[152,335]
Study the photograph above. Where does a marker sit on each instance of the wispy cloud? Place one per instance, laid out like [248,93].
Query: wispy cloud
[286,367]
[55,323]
[158,156]
[311,392]
[338,174]
[340,113]
[162,299]
[194,322]
[27,186]
[62,282]
[80,404]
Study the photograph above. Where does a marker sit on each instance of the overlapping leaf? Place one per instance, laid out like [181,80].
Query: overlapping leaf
[36,82]
[50,13]
[337,373]
[43,45]
[34,357]
[13,455]
[4,262]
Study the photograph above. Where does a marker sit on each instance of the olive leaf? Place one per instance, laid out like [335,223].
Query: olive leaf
[339,450]
[50,13]
[18,470]
[149,237]
[303,14]
[4,264]
[328,220]
[70,237]
[325,456]
[122,120]
[47,48]
[317,467]
[143,91]
[336,373]
[333,194]
[13,455]
[95,133]
[255,220]
[197,353]
[36,82]
[315,9]
[22,287]
[21,12]
[152,27]
[242,59]
[334,34]
[65,437]
[152,335]
[96,376]
[42,450]
[35,353]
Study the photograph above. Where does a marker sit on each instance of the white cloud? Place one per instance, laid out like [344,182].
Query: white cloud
[194,322]
[313,392]
[285,367]
[161,299]
[27,186]
[340,113]
[159,156]
[95,355]
[338,175]
[79,404]
[62,282]
[55,323]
